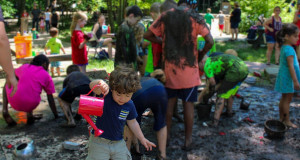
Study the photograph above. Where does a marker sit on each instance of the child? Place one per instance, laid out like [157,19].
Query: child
[42,23]
[208,17]
[225,73]
[180,59]
[126,43]
[118,109]
[32,78]
[55,45]
[221,17]
[139,30]
[75,84]
[288,78]
[78,41]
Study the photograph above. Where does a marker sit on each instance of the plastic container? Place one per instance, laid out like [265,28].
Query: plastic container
[23,46]
[204,111]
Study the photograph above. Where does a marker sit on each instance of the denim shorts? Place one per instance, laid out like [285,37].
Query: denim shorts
[270,39]
[187,94]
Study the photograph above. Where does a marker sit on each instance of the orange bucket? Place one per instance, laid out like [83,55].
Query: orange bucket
[23,46]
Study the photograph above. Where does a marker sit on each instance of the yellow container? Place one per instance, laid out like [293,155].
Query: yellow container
[23,46]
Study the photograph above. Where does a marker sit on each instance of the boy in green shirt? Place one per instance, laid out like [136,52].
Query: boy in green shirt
[209,17]
[55,45]
[225,73]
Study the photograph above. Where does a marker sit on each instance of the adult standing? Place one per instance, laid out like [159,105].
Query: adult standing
[54,18]
[273,25]
[235,19]
[47,19]
[35,15]
[5,58]
[180,57]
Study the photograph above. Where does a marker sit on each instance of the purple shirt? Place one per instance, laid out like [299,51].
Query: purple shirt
[32,80]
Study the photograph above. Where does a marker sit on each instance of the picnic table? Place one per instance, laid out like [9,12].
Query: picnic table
[52,58]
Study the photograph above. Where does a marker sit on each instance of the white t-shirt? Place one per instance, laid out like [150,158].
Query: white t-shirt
[47,16]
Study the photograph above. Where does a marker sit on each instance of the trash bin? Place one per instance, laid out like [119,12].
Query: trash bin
[23,45]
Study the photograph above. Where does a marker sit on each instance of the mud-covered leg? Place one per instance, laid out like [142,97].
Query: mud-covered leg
[218,110]
[5,113]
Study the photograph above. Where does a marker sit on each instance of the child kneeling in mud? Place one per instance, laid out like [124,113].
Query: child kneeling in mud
[118,109]
[225,73]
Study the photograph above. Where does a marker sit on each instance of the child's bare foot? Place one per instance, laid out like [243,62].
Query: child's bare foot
[290,124]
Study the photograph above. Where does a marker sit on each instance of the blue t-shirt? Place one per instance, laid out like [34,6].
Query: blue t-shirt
[114,117]
[1,15]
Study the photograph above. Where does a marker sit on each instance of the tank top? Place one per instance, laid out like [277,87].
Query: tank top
[276,25]
[98,32]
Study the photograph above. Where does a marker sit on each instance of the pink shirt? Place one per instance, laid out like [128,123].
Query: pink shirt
[176,77]
[32,80]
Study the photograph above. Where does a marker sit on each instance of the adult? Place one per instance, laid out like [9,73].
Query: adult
[273,25]
[47,19]
[35,15]
[52,6]
[75,84]
[225,73]
[235,19]
[5,58]
[33,78]
[54,18]
[180,57]
[297,22]
[97,30]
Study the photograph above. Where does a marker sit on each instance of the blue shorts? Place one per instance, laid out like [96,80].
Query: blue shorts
[187,95]
[270,39]
[234,25]
[83,64]
[156,99]
[55,64]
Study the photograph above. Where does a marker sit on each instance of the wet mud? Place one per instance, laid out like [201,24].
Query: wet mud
[235,138]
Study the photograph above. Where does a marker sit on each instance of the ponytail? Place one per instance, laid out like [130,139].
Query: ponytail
[280,37]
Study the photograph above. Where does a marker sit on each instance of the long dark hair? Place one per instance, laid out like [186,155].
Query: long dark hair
[287,29]
[178,37]
[39,60]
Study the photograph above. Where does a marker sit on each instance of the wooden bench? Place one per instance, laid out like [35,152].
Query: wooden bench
[52,58]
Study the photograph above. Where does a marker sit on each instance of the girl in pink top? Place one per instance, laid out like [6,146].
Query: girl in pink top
[33,78]
[78,41]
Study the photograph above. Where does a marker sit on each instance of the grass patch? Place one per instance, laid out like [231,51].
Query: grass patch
[106,64]
[245,51]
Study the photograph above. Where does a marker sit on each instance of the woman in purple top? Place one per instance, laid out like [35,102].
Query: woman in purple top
[273,25]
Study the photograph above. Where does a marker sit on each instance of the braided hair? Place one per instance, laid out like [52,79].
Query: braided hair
[287,29]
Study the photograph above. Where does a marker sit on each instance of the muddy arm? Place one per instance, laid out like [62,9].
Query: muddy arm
[52,105]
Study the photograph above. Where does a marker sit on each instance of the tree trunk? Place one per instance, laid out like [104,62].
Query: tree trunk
[21,7]
[110,16]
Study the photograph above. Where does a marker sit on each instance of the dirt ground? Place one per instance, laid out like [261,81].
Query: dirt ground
[233,139]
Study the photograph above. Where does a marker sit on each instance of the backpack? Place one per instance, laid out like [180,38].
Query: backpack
[102,55]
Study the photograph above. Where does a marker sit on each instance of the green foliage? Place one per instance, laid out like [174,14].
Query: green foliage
[7,8]
[254,8]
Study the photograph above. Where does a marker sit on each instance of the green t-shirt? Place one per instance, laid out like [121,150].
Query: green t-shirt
[227,67]
[54,44]
[208,17]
